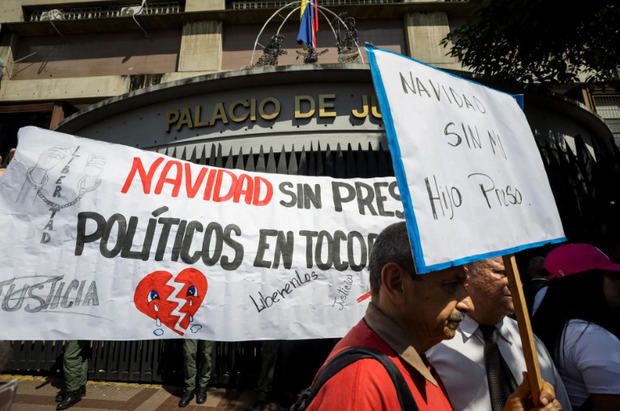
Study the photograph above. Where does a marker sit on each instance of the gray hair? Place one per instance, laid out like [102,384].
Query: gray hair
[391,246]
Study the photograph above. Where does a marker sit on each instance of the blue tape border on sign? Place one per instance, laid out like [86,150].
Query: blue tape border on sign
[401,178]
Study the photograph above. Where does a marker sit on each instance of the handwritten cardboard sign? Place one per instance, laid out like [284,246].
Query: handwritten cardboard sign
[471,177]
[103,241]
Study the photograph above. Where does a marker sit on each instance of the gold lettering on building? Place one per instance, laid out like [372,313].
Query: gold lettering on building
[171,118]
[375,107]
[268,109]
[185,119]
[197,121]
[219,113]
[276,108]
[298,106]
[233,107]
[364,112]
[326,102]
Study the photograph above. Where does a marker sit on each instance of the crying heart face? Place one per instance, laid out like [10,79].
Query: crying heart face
[171,300]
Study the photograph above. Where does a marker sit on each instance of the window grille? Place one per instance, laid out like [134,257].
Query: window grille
[608,107]
[276,4]
[89,13]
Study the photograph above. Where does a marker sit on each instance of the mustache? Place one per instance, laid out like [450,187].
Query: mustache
[456,316]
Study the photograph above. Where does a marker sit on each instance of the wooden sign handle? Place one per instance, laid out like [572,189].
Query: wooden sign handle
[525,327]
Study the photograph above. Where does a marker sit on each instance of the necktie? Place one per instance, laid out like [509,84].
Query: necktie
[500,380]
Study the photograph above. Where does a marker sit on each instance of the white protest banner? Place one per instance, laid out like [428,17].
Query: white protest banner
[102,241]
[471,177]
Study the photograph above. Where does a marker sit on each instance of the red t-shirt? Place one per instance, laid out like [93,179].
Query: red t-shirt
[366,385]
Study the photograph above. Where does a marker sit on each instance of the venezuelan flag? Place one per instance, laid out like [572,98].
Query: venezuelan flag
[309,24]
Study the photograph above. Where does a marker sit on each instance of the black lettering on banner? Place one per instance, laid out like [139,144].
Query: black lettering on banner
[235,245]
[393,189]
[91,298]
[354,235]
[309,236]
[285,188]
[381,199]
[66,302]
[41,302]
[365,198]
[266,301]
[46,293]
[16,296]
[121,223]
[212,242]
[178,241]
[150,233]
[283,249]
[326,237]
[311,196]
[126,251]
[263,245]
[82,237]
[340,198]
[188,237]
[56,297]
[338,263]
[166,223]
[212,228]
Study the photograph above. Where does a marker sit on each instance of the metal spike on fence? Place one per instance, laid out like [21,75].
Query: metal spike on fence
[371,164]
[239,163]
[320,169]
[260,162]
[311,161]
[351,170]
[292,163]
[282,169]
[229,160]
[271,161]
[219,160]
[203,157]
[212,155]
[250,165]
[360,162]
[339,164]
[303,162]
[329,163]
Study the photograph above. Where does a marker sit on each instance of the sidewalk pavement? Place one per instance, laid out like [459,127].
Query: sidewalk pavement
[38,393]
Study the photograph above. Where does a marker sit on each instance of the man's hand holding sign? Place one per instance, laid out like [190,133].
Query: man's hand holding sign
[470,175]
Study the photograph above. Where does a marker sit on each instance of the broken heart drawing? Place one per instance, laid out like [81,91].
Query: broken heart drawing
[171,300]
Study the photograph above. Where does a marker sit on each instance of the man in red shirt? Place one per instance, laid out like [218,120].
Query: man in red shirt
[407,315]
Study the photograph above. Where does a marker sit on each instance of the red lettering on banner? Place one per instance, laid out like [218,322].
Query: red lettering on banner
[176,182]
[193,189]
[209,186]
[146,178]
[268,194]
[217,193]
[220,185]
[246,191]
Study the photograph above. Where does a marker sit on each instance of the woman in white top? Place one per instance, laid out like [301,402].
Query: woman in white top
[578,321]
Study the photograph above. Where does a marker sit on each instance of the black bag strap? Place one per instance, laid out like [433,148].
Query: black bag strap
[353,354]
